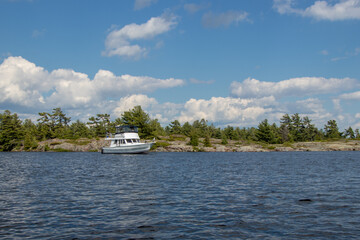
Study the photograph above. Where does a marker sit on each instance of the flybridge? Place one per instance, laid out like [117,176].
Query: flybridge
[126,129]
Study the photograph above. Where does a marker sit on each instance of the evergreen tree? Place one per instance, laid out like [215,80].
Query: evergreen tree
[79,130]
[200,127]
[207,141]
[357,134]
[60,123]
[286,128]
[264,132]
[310,131]
[156,129]
[100,125]
[224,140]
[45,126]
[349,133]
[194,138]
[275,131]
[297,130]
[186,129]
[10,131]
[175,127]
[137,117]
[30,132]
[332,130]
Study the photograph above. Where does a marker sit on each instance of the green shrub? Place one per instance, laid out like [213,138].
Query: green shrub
[46,148]
[194,140]
[160,144]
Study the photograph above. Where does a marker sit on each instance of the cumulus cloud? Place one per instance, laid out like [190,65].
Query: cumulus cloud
[227,110]
[129,102]
[213,20]
[233,111]
[121,42]
[322,10]
[33,89]
[22,83]
[164,112]
[304,86]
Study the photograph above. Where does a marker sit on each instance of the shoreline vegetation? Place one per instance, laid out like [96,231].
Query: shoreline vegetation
[53,132]
[180,143]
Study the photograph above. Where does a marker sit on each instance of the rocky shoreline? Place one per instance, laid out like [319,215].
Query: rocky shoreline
[180,144]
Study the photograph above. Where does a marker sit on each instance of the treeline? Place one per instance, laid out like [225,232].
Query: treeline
[15,133]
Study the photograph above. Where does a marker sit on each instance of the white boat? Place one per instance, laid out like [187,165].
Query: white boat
[127,140]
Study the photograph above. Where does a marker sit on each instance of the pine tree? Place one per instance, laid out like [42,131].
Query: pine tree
[194,139]
[265,133]
[349,133]
[10,131]
[137,117]
[332,130]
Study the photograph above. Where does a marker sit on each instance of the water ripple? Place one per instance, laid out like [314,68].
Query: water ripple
[180,196]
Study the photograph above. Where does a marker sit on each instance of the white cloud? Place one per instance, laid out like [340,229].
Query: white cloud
[120,42]
[32,89]
[322,10]
[233,111]
[212,20]
[111,85]
[284,6]
[129,102]
[337,105]
[21,82]
[165,112]
[140,4]
[350,96]
[24,84]
[304,86]
[312,108]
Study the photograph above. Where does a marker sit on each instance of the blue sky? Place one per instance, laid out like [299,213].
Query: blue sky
[230,62]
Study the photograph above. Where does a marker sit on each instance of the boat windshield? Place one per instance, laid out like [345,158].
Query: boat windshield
[126,129]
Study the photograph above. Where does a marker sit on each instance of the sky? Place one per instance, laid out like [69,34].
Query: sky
[229,62]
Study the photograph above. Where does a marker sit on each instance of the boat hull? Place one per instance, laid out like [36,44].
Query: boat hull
[128,149]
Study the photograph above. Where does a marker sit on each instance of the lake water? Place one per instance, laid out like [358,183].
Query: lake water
[289,195]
